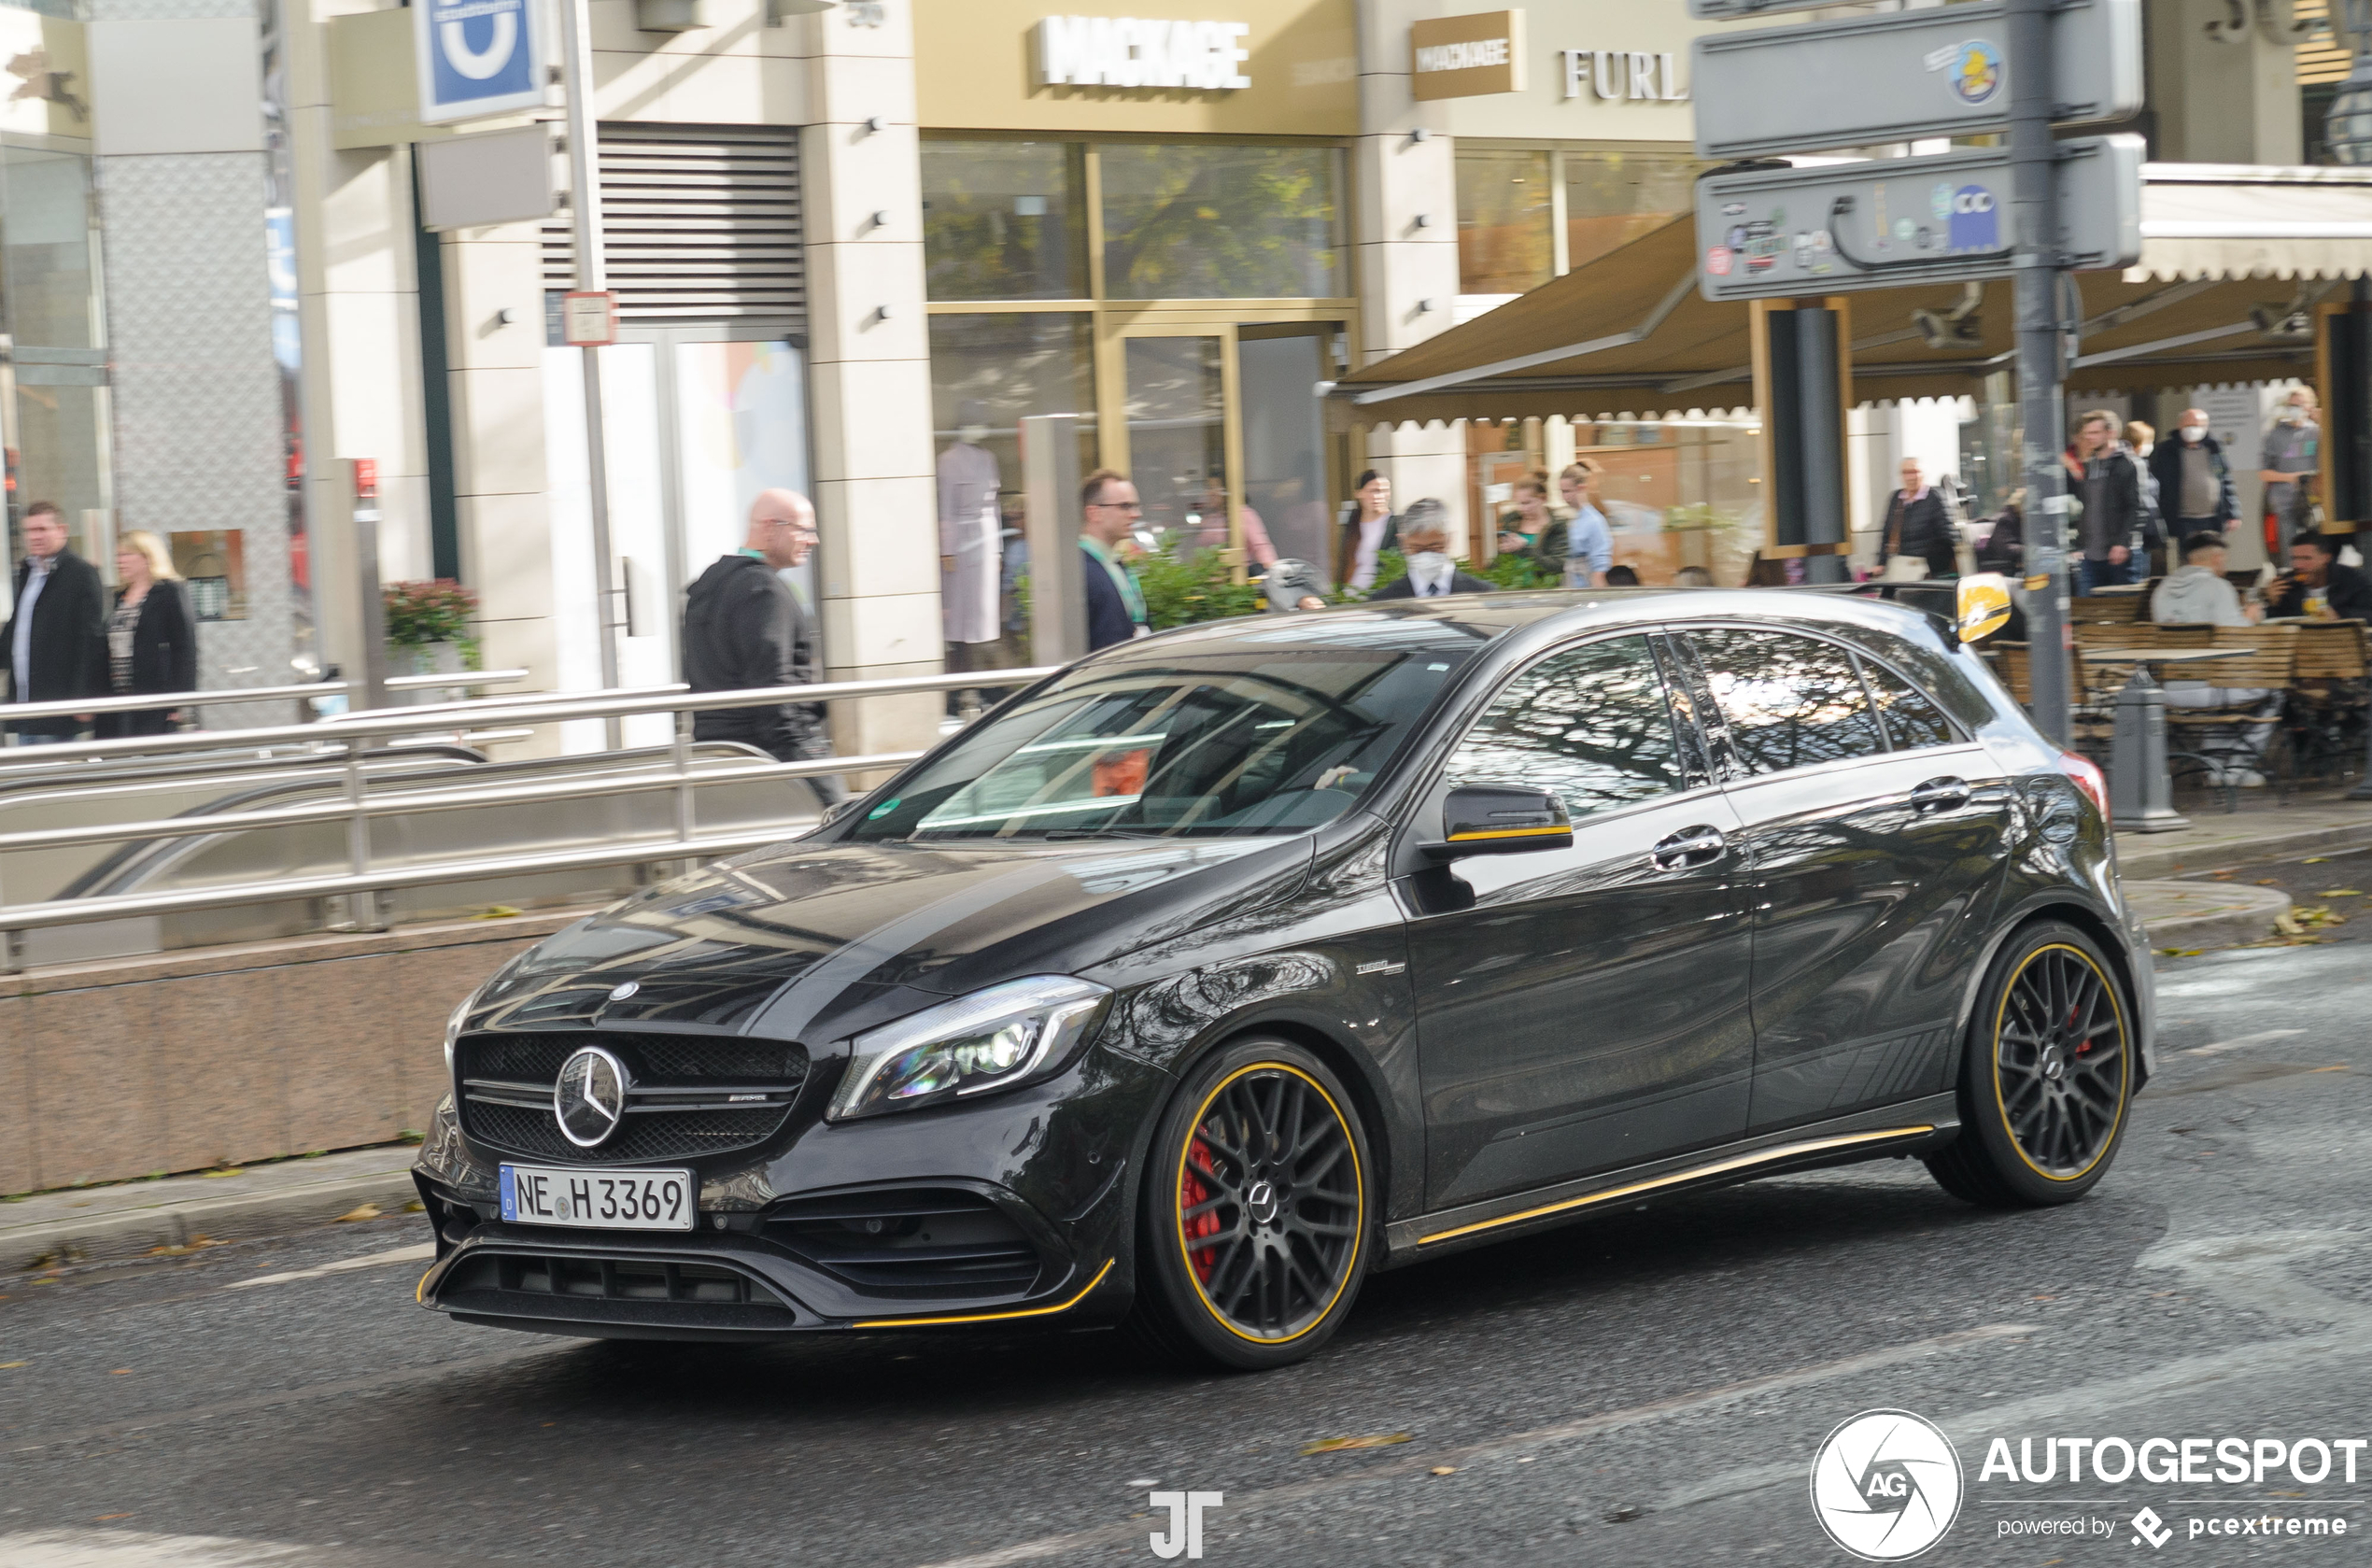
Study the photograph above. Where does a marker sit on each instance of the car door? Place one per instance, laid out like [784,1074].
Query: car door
[1582,1009]
[1878,836]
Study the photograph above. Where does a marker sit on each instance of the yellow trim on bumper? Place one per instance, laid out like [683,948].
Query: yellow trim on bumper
[1760,1157]
[994,1317]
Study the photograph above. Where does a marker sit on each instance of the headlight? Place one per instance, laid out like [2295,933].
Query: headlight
[994,1038]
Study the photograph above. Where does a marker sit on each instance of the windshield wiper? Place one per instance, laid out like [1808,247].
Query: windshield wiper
[1050,834]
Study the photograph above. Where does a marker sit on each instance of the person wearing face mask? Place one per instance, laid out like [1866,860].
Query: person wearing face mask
[2293,462]
[2194,482]
[1424,534]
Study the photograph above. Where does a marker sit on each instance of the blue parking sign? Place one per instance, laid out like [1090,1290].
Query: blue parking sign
[476,57]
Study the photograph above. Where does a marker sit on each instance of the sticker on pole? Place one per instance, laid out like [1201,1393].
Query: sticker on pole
[1985,605]
[1717,261]
[588,319]
[476,57]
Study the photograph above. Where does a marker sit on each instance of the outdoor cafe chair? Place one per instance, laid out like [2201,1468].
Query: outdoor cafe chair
[2223,734]
[2328,692]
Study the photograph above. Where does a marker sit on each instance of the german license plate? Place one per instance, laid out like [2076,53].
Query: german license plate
[604,1200]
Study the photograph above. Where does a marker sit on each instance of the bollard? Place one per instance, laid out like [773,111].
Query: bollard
[2141,789]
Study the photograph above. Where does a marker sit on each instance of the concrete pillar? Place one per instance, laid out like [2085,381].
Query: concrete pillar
[1407,268]
[876,497]
[2221,94]
[1428,460]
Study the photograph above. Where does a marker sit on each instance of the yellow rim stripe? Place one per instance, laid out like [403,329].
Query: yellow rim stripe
[2125,1078]
[1512,833]
[1760,1157]
[994,1317]
[1358,1182]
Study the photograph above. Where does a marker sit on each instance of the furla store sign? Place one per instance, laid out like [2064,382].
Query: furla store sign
[1138,52]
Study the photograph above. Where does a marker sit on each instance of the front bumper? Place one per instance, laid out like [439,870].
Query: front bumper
[1015,1208]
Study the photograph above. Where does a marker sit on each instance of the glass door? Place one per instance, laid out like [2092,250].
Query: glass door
[1179,436]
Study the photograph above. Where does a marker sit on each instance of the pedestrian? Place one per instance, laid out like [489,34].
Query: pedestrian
[152,644]
[2107,485]
[1424,535]
[745,627]
[2317,587]
[2194,593]
[1917,528]
[1368,529]
[1526,524]
[1692,577]
[2141,440]
[1623,576]
[2292,464]
[1211,526]
[1115,600]
[54,647]
[2195,479]
[1578,546]
[2005,542]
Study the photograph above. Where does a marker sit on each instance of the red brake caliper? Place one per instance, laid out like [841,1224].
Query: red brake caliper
[1205,1226]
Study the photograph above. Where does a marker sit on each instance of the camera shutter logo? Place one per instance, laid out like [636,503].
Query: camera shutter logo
[589,1100]
[1885,1485]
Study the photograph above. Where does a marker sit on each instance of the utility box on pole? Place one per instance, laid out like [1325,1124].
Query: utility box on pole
[1057,566]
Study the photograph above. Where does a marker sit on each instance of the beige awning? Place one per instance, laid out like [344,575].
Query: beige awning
[2218,299]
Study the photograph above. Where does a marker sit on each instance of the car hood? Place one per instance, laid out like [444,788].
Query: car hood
[813,942]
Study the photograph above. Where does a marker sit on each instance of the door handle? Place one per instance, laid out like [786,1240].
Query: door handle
[1941,794]
[1690,846]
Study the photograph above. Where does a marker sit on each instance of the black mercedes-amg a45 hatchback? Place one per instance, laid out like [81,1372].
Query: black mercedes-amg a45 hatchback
[1197,982]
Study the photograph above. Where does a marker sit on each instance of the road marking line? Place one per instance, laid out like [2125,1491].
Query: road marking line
[2243,1042]
[133,1548]
[1564,1431]
[368,1260]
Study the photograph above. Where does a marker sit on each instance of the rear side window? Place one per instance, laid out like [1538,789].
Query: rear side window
[1911,720]
[1593,725]
[1788,702]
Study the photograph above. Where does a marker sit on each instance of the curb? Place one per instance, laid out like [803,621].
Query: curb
[2143,861]
[2200,914]
[134,1233]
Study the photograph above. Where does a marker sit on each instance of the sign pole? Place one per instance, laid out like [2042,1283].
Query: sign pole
[2037,275]
[585,199]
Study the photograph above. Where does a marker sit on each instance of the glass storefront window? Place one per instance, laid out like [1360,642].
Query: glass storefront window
[1002,221]
[1215,222]
[1285,441]
[57,430]
[1506,242]
[1177,438]
[1612,198]
[1008,366]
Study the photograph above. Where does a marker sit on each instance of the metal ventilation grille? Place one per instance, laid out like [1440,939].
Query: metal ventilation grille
[698,223]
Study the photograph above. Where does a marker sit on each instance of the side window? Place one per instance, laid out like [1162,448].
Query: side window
[1592,724]
[1790,701]
[1911,720]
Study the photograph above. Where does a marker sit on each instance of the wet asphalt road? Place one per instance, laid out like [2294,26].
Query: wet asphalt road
[1649,1388]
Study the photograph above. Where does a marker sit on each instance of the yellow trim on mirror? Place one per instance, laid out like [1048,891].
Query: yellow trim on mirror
[1760,1157]
[1561,828]
[994,1317]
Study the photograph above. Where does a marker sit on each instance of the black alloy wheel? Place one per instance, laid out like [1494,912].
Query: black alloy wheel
[2047,1076]
[1255,1211]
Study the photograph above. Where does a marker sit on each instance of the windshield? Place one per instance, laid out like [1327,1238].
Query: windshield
[1250,738]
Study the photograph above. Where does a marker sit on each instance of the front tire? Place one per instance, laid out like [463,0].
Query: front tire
[2046,1077]
[1255,1211]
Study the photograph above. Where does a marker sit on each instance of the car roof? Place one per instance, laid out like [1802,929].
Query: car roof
[1481,618]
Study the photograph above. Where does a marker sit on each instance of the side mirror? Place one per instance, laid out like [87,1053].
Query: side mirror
[1502,819]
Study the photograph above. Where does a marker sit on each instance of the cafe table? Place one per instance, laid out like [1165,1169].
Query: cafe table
[2140,785]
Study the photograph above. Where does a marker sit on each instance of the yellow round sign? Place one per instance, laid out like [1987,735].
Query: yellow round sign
[1985,605]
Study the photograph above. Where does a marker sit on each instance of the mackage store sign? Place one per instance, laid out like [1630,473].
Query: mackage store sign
[1139,52]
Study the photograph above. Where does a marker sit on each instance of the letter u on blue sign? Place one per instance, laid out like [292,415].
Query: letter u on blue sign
[477,57]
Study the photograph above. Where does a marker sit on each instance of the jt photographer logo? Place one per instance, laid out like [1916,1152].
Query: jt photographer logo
[1885,1485]
[1185,1532]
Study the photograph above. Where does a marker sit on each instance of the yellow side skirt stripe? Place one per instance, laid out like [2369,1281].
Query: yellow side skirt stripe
[994,1317]
[1760,1157]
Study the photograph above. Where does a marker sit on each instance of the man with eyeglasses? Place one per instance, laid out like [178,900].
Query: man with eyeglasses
[745,627]
[1115,601]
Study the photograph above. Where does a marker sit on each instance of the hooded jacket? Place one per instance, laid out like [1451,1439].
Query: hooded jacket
[742,627]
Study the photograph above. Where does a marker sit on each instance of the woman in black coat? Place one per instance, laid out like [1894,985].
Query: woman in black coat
[151,644]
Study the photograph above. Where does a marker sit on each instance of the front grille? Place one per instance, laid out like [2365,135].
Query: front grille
[689,1095]
[909,1243]
[625,1295]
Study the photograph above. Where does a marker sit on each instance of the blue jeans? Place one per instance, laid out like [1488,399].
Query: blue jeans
[42,740]
[2093,575]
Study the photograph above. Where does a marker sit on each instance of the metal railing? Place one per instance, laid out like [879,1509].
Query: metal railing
[361,884]
[226,695]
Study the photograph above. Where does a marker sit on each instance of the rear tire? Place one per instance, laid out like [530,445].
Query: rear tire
[1253,1220]
[2046,1075]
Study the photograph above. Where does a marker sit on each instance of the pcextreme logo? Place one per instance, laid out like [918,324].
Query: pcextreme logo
[1885,1485]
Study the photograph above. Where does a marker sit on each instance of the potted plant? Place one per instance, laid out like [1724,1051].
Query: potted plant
[429,631]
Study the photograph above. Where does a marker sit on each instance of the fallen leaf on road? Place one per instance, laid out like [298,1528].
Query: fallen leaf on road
[496,912]
[120,1372]
[1444,1470]
[1331,1445]
[415,1207]
[2340,892]
[5,1365]
[103,1518]
[2268,882]
[367,1211]
[228,1170]
[2314,860]
[2181,952]
[1623,1515]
